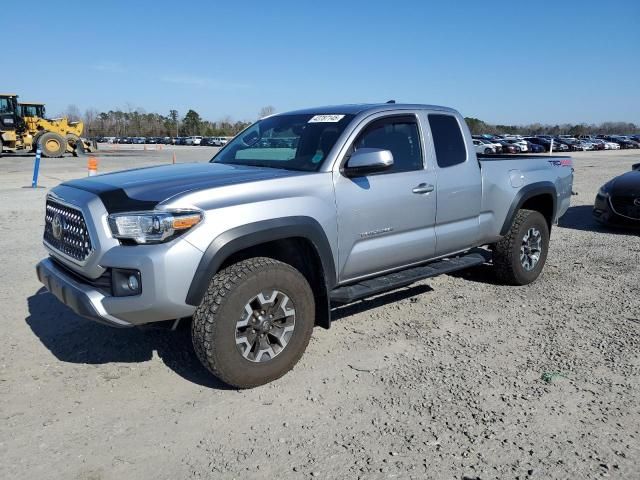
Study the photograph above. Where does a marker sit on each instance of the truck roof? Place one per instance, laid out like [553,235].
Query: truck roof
[356,109]
[31,103]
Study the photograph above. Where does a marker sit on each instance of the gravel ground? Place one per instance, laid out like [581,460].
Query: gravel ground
[456,377]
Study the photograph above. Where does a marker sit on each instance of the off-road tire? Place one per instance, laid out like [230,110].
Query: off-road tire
[35,140]
[213,330]
[506,253]
[72,140]
[52,144]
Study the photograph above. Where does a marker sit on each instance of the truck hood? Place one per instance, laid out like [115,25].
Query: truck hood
[627,184]
[144,188]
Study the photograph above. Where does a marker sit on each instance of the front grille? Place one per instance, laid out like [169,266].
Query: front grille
[66,231]
[625,206]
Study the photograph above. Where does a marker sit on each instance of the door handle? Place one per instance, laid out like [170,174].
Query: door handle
[423,188]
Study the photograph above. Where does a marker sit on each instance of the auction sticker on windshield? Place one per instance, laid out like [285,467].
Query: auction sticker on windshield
[326,118]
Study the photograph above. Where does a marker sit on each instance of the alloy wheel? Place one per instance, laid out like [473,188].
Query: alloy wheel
[531,249]
[266,326]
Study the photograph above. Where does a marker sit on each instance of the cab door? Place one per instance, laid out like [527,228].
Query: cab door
[386,220]
[459,190]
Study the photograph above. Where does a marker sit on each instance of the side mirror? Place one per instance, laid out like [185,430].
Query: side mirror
[636,166]
[368,160]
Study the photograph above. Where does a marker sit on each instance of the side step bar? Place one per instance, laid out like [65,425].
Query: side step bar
[391,281]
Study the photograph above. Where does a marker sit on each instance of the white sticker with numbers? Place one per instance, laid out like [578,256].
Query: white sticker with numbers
[326,118]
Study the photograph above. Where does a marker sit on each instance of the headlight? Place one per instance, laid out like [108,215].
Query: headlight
[606,188]
[153,227]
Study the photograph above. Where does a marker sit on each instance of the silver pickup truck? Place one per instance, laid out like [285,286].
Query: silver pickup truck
[299,212]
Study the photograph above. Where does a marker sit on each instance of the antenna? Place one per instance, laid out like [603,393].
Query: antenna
[391,101]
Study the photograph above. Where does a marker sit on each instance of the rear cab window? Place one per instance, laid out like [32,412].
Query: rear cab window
[447,140]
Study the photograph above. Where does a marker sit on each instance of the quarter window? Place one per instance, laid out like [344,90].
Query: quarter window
[447,140]
[400,136]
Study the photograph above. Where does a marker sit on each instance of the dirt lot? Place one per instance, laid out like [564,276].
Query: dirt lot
[456,377]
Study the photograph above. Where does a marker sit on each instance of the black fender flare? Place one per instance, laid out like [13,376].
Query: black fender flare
[252,234]
[524,194]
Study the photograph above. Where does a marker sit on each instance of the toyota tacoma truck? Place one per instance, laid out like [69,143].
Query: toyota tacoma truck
[299,212]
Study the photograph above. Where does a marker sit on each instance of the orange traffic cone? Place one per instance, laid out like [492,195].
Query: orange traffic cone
[174,157]
[92,166]
[145,146]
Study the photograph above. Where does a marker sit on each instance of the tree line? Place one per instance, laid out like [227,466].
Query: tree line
[478,126]
[139,123]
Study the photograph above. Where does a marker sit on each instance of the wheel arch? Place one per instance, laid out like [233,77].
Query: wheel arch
[539,196]
[299,241]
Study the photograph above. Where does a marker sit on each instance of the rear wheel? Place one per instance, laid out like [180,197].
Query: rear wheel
[52,144]
[520,255]
[254,322]
[72,140]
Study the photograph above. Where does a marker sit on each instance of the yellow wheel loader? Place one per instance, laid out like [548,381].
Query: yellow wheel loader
[10,139]
[47,133]
[23,127]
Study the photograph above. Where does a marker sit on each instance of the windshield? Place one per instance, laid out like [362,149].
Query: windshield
[29,111]
[292,142]
[4,105]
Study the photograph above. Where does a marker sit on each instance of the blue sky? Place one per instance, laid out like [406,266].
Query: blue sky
[503,62]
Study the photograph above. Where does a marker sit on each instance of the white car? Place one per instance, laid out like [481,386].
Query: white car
[495,145]
[482,147]
[193,140]
[611,146]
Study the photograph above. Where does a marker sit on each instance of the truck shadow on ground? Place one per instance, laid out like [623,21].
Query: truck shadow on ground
[579,217]
[484,273]
[73,339]
[338,312]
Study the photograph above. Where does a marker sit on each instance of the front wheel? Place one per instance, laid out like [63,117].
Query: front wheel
[52,144]
[254,322]
[488,151]
[520,255]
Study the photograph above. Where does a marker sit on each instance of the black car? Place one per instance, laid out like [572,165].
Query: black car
[534,147]
[543,142]
[508,147]
[618,201]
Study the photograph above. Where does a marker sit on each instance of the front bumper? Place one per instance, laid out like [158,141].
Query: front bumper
[166,271]
[604,213]
[83,299]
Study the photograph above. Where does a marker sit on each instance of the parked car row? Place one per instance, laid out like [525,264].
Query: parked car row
[491,144]
[192,140]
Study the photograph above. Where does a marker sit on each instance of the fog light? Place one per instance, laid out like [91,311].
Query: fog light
[133,283]
[125,283]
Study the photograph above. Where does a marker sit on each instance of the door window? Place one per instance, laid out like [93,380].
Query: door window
[400,136]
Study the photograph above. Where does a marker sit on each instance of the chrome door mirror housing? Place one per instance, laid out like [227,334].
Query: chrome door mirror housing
[365,161]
